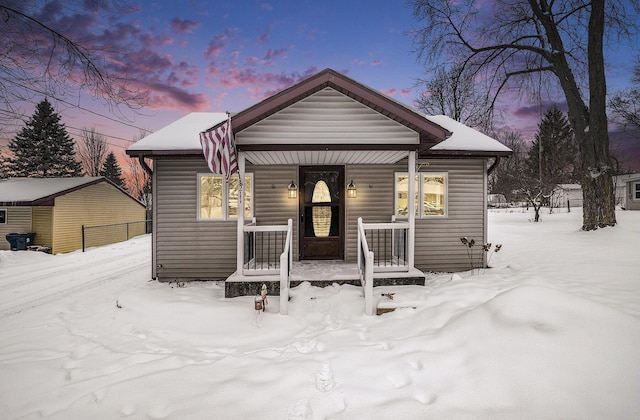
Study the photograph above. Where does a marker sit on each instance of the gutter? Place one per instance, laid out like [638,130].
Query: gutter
[144,165]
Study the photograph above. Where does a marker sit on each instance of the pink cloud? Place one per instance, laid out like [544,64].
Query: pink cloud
[405,92]
[389,92]
[376,62]
[185,26]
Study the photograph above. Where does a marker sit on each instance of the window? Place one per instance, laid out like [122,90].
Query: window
[431,194]
[3,216]
[218,200]
[636,191]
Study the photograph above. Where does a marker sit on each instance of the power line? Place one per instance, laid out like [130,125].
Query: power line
[79,107]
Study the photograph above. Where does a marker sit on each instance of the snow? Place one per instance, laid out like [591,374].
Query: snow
[551,331]
[30,189]
[465,138]
[183,134]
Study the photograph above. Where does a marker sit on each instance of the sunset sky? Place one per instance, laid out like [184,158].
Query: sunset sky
[196,55]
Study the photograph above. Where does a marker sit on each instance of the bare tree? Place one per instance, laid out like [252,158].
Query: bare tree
[507,43]
[92,151]
[505,177]
[626,104]
[456,94]
[138,180]
[38,59]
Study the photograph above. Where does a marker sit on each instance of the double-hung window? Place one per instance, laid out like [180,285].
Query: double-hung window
[431,194]
[3,216]
[218,200]
[636,190]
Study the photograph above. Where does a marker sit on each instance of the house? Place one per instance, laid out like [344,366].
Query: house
[628,191]
[566,196]
[55,210]
[326,166]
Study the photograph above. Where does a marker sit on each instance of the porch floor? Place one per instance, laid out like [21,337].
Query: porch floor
[319,273]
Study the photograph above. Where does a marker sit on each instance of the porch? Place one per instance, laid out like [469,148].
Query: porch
[321,273]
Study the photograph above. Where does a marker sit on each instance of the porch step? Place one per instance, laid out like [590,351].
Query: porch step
[250,286]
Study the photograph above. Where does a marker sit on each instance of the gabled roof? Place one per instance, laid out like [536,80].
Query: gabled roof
[429,131]
[43,191]
[438,136]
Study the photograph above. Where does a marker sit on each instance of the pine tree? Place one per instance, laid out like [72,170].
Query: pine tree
[112,171]
[43,148]
[553,157]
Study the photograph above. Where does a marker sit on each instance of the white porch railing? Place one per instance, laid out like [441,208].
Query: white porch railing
[286,259]
[365,266]
[389,243]
[268,250]
[262,248]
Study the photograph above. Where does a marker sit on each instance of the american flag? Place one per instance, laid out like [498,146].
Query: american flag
[219,150]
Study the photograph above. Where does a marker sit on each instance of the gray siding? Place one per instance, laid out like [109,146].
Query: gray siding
[187,248]
[327,116]
[437,241]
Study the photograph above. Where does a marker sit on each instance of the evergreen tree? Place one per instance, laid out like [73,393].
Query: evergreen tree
[112,171]
[43,148]
[553,157]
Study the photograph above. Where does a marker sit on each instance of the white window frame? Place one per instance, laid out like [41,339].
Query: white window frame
[225,198]
[635,191]
[419,193]
[6,216]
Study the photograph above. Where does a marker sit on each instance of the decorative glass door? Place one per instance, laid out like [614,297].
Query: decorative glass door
[321,212]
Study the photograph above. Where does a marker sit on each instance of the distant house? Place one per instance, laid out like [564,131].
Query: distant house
[628,191]
[566,195]
[326,154]
[56,208]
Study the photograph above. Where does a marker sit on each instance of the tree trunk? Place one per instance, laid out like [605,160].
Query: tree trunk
[597,183]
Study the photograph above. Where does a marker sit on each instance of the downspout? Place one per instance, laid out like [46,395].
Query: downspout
[493,165]
[144,165]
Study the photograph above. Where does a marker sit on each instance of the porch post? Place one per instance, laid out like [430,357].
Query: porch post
[411,207]
[240,241]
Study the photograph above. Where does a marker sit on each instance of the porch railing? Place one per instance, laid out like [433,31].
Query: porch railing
[262,248]
[389,243]
[365,267]
[286,259]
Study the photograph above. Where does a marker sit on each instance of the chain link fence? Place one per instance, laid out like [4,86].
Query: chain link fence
[110,234]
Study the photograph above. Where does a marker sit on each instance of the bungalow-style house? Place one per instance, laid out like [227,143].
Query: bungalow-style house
[629,187]
[326,166]
[55,209]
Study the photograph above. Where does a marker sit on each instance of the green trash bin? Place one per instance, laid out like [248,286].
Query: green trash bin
[20,241]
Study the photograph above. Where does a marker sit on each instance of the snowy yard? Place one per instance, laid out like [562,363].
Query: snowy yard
[551,332]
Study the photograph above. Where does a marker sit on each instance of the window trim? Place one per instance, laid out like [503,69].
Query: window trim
[225,198]
[635,191]
[6,216]
[419,193]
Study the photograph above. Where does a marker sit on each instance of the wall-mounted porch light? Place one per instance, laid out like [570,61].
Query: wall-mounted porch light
[351,190]
[293,190]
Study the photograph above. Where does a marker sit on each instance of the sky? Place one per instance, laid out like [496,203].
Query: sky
[197,55]
[546,334]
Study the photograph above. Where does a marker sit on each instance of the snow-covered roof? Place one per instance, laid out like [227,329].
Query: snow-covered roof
[13,190]
[183,134]
[464,138]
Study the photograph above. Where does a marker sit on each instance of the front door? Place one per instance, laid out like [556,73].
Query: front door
[321,212]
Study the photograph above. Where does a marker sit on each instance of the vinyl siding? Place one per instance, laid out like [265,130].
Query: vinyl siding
[437,240]
[18,221]
[97,204]
[327,117]
[188,248]
[43,225]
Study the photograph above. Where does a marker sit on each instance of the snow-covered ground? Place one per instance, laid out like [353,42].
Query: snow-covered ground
[551,332]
